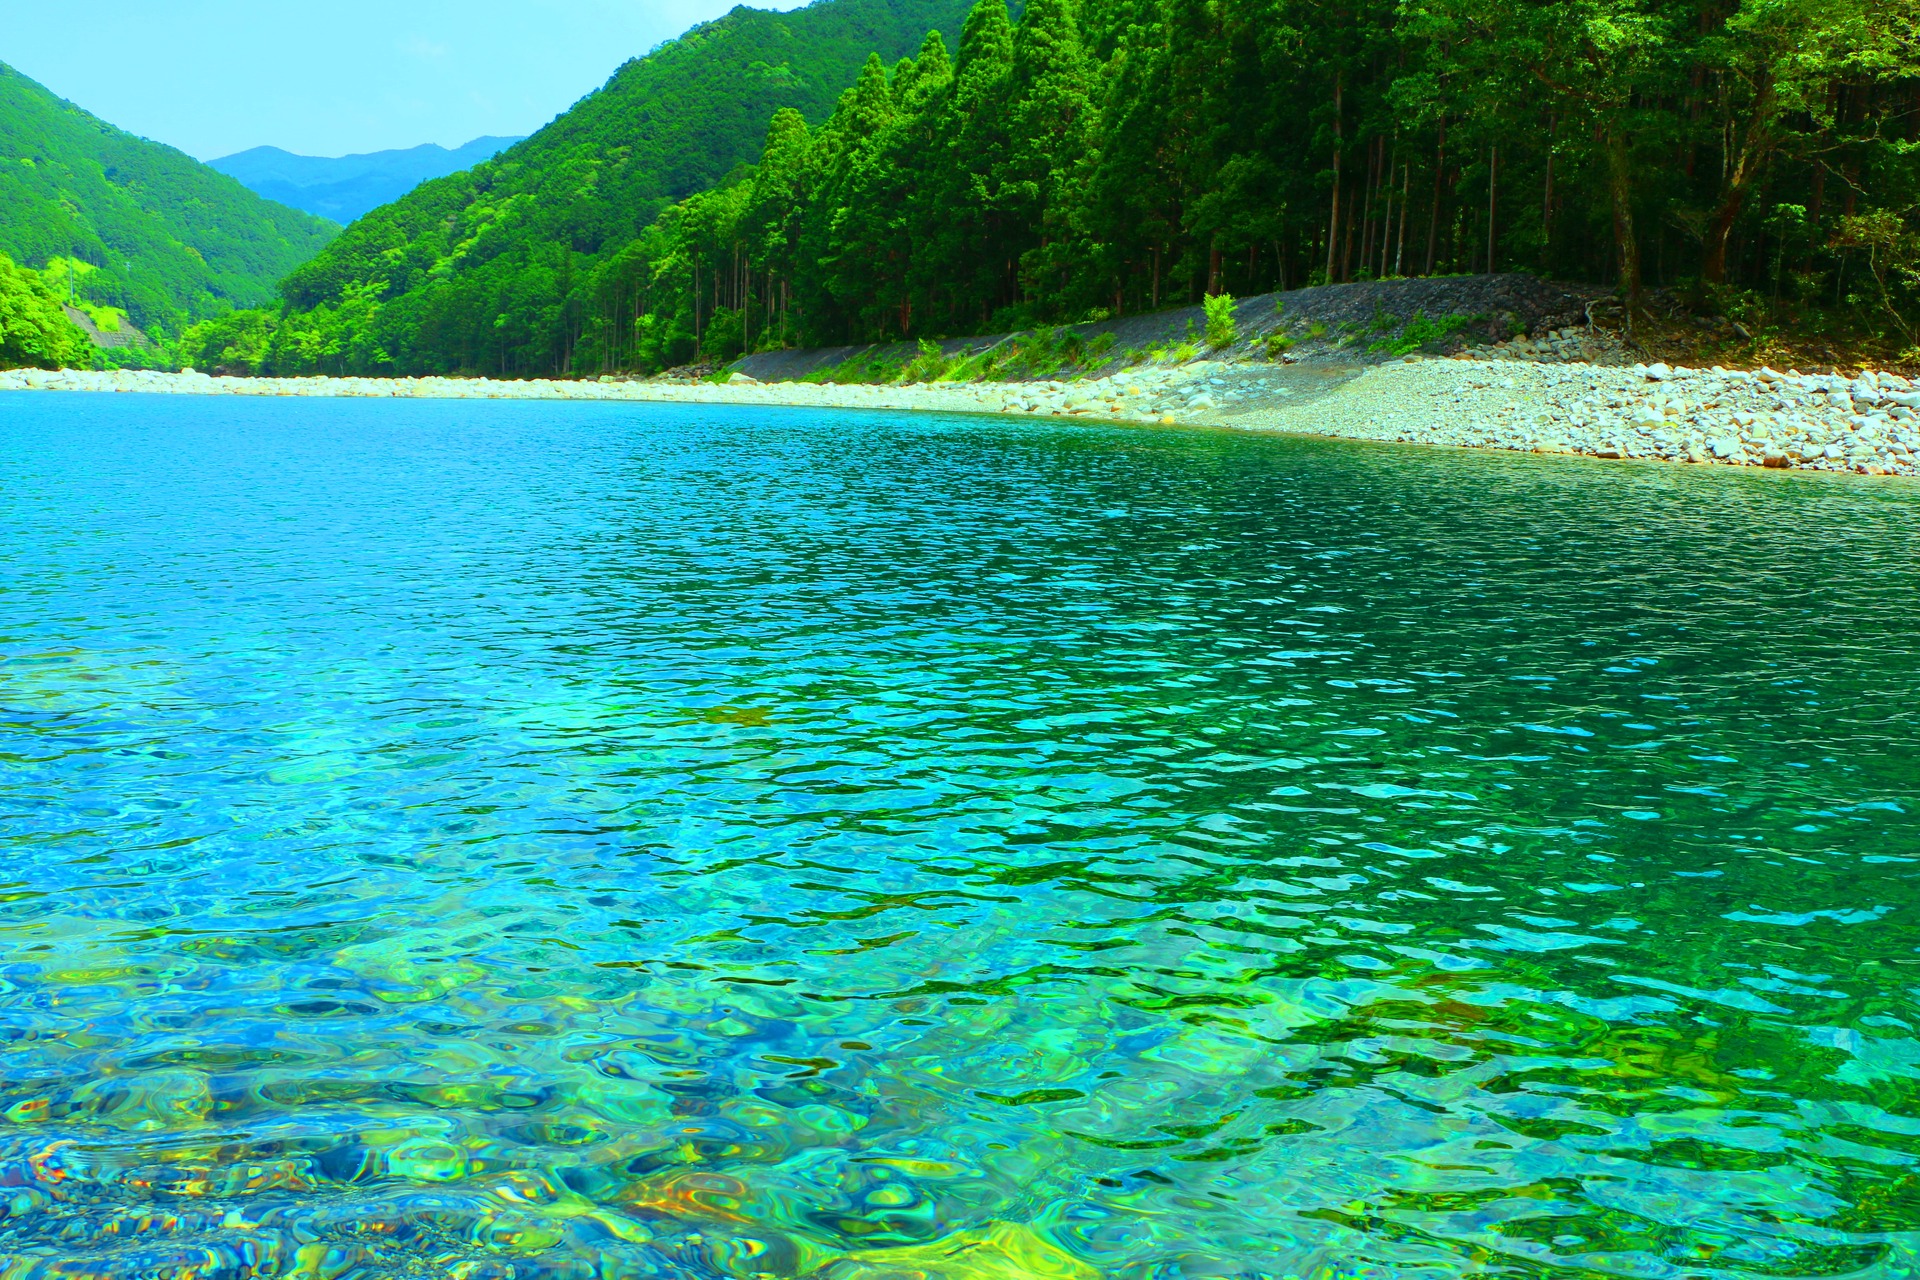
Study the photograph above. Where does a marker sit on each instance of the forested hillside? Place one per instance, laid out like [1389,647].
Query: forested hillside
[479,270]
[148,230]
[1118,155]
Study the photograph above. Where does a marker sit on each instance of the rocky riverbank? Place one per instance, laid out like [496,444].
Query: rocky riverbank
[1866,424]
[1759,418]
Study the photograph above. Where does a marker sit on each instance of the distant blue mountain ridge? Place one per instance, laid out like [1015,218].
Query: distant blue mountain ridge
[345,187]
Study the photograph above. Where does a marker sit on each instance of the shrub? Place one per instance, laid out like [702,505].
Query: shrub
[1278,343]
[928,366]
[1221,331]
[724,335]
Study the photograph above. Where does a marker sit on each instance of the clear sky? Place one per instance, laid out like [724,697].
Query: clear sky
[329,77]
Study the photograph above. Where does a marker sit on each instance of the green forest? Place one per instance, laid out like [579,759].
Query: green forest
[481,270]
[1095,159]
[139,227]
[34,330]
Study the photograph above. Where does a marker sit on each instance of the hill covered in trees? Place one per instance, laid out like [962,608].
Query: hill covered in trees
[480,270]
[139,226]
[1109,156]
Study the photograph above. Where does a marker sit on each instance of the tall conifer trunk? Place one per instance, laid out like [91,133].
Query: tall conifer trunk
[1493,193]
[1439,178]
[1333,223]
[1400,246]
[1741,175]
[1620,189]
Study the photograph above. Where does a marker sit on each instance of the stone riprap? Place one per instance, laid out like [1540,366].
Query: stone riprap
[1865,424]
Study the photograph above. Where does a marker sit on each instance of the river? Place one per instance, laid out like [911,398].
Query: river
[568,840]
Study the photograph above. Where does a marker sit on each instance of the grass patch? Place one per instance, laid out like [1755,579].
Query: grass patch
[867,366]
[969,368]
[1421,332]
[1061,354]
[106,319]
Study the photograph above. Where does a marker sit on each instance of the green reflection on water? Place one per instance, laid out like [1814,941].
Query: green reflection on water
[518,840]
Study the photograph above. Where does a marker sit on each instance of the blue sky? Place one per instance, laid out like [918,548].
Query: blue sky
[212,77]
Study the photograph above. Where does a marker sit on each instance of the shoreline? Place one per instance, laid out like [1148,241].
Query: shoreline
[1868,425]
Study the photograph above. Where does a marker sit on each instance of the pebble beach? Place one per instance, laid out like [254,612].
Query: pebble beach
[1754,418]
[1866,424]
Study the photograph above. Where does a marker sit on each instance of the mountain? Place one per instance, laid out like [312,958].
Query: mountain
[145,228]
[345,187]
[474,271]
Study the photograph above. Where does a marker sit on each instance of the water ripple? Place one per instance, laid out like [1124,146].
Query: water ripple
[516,840]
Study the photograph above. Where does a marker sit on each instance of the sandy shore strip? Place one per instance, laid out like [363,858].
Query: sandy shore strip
[1866,424]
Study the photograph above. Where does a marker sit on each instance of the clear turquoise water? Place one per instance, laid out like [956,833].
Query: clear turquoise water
[490,840]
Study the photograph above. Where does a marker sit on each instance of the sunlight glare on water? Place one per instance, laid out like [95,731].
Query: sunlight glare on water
[517,840]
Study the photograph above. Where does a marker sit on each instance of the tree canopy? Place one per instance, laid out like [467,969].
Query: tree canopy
[1094,159]
[34,330]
